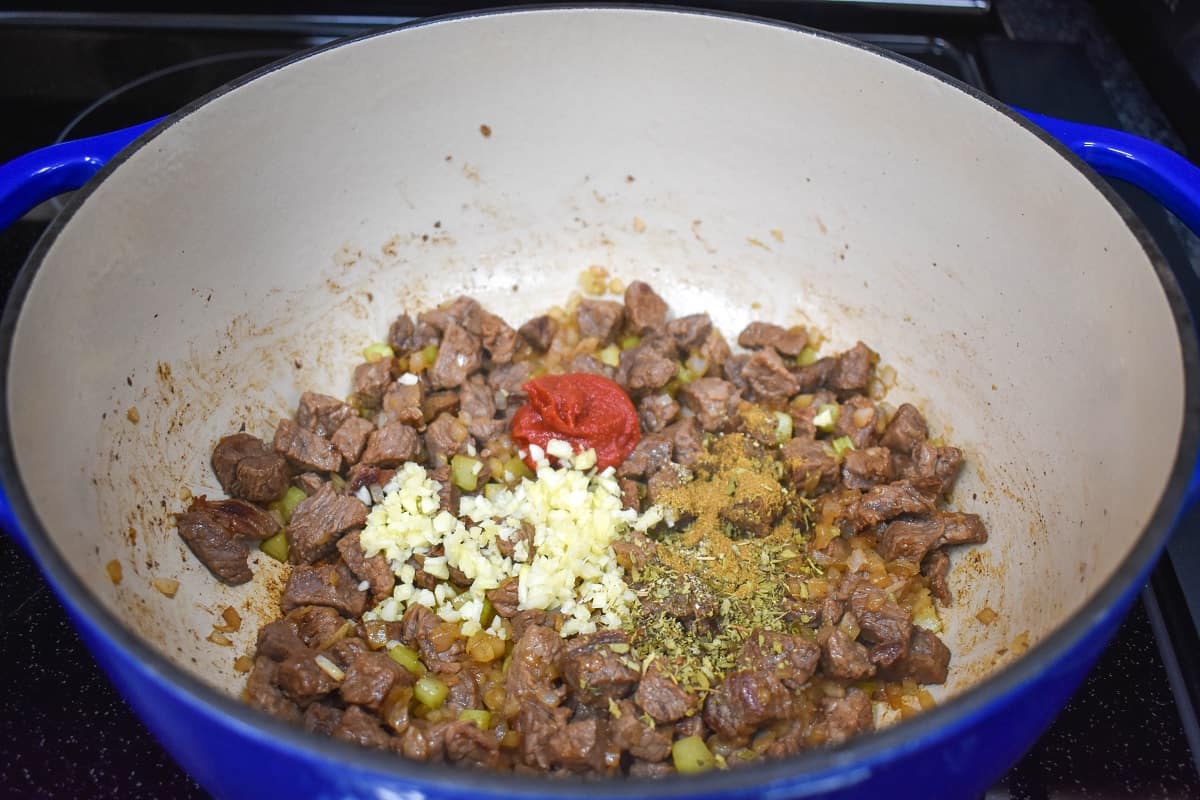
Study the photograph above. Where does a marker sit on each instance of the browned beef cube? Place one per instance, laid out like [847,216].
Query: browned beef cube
[656,411]
[586,362]
[444,437]
[856,419]
[539,332]
[715,351]
[647,458]
[649,366]
[732,371]
[533,669]
[370,676]
[332,585]
[448,493]
[884,624]
[402,402]
[792,659]
[498,338]
[505,598]
[843,717]
[223,553]
[634,551]
[595,670]
[600,319]
[459,354]
[321,413]
[662,698]
[509,378]
[400,334]
[263,693]
[927,660]
[462,310]
[905,430]
[787,341]
[318,521]
[392,445]
[743,702]
[852,370]
[439,403]
[375,570]
[962,528]
[305,449]
[690,332]
[308,482]
[687,442]
[931,469]
[843,658]
[630,496]
[543,732]
[248,469]
[909,539]
[316,626]
[882,503]
[815,376]
[321,719]
[936,569]
[671,476]
[367,475]
[351,438]
[712,400]
[630,733]
[810,464]
[690,601]
[477,408]
[862,469]
[768,377]
[371,380]
[466,744]
[645,309]
[361,728]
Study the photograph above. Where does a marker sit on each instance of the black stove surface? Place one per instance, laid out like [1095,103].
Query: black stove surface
[1130,732]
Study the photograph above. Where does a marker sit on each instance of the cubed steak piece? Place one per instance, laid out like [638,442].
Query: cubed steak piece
[644,308]
[321,413]
[786,341]
[459,354]
[712,400]
[219,534]
[596,667]
[539,332]
[249,469]
[600,319]
[690,332]
[305,449]
[391,445]
[351,437]
[332,585]
[319,521]
[375,570]
[371,380]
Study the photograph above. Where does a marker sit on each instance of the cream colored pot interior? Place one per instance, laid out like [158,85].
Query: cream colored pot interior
[253,249]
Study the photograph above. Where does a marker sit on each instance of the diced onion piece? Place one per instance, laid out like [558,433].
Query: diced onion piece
[464,472]
[243,664]
[484,648]
[783,426]
[233,620]
[168,586]
[378,351]
[276,546]
[431,691]
[407,657]
[329,668]
[481,718]
[827,417]
[114,571]
[691,755]
[987,616]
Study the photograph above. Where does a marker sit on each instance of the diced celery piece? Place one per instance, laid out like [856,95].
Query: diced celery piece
[431,691]
[378,351]
[610,355]
[464,472]
[841,445]
[407,657]
[486,614]
[481,718]
[429,354]
[807,356]
[291,499]
[630,342]
[276,546]
[827,417]
[691,755]
[684,375]
[517,468]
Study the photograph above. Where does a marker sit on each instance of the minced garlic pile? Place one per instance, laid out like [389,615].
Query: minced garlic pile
[575,514]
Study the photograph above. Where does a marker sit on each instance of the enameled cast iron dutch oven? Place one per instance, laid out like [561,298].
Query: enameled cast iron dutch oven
[249,246]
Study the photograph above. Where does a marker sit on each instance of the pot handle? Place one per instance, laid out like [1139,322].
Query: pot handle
[1160,171]
[1169,177]
[36,177]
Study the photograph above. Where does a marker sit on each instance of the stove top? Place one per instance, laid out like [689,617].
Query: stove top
[1130,732]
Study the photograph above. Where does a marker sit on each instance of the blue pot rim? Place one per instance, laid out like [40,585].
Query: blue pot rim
[808,772]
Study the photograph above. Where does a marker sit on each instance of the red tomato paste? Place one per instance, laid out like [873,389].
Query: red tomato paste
[584,410]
